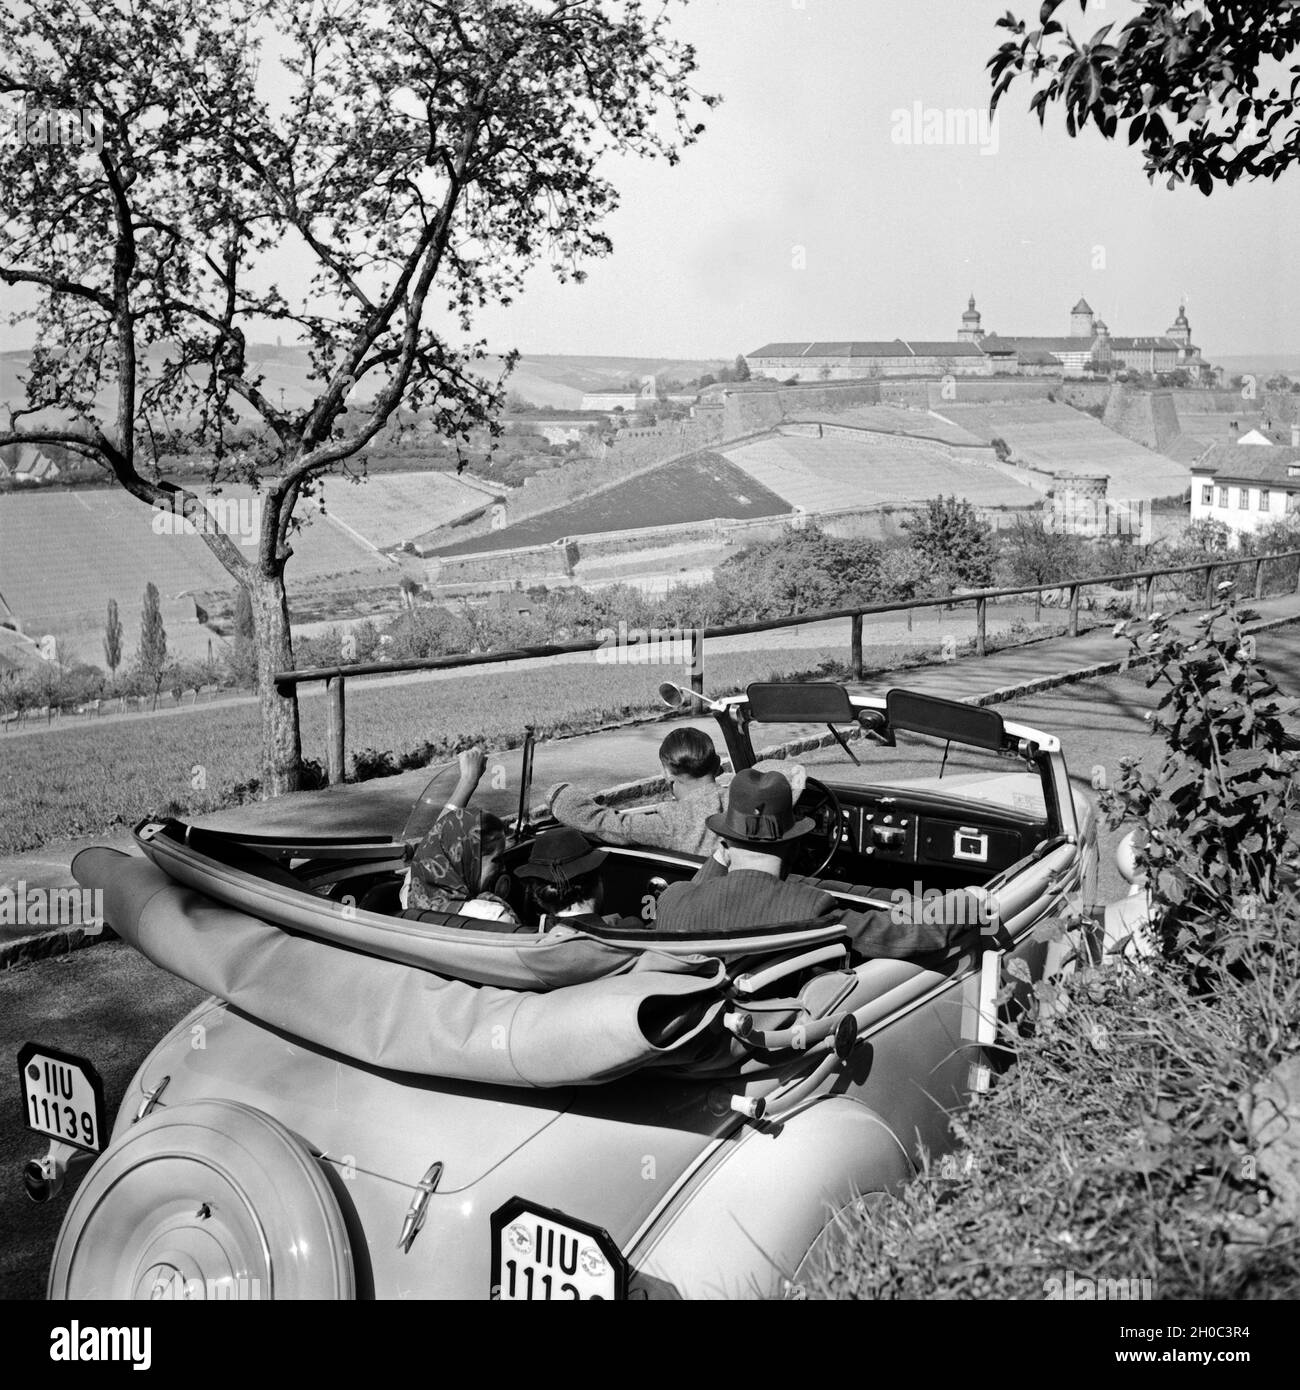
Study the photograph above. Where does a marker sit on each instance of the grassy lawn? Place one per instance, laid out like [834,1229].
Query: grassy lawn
[82,781]
[86,781]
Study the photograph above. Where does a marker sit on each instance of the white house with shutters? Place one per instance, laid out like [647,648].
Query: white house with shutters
[1246,488]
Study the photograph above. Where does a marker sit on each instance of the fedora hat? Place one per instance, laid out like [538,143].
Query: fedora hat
[561,856]
[760,811]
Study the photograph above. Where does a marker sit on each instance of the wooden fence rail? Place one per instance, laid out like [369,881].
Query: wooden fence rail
[1143,582]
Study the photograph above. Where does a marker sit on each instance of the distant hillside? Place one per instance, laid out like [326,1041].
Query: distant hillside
[1265,365]
[545,380]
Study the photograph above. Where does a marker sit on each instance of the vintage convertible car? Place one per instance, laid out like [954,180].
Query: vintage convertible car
[373,1107]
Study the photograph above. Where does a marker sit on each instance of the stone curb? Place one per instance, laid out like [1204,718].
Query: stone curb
[54,943]
[31,948]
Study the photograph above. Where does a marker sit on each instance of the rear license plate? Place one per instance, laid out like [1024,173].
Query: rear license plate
[540,1255]
[63,1096]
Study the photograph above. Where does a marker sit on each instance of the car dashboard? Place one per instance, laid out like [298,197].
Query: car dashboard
[887,837]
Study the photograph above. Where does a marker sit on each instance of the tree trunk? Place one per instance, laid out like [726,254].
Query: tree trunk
[281,739]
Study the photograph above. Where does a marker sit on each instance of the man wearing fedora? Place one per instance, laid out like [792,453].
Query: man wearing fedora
[744,886]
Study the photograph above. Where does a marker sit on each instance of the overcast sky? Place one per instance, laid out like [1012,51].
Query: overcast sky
[800,214]
[897,236]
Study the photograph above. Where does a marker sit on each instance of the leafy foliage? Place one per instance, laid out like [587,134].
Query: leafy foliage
[950,535]
[151,659]
[1119,1148]
[1190,80]
[113,638]
[1214,809]
[1036,552]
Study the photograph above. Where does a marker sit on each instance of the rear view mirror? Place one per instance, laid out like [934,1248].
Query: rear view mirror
[946,719]
[810,702]
[875,726]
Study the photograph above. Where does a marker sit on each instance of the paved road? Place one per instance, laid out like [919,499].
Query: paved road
[110,1004]
[622,754]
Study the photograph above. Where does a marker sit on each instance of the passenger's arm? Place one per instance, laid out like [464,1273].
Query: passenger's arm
[913,926]
[473,762]
[572,806]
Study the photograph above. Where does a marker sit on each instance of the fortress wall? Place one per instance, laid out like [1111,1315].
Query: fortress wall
[749,412]
[1164,420]
[530,564]
[1201,402]
[1007,390]
[1082,394]
[1146,417]
[909,393]
[863,391]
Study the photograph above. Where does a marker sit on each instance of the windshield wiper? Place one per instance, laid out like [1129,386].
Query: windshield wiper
[843,743]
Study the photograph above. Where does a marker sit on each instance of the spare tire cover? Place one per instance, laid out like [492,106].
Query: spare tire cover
[209,1199]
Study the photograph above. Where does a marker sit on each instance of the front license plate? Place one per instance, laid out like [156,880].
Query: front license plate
[540,1255]
[63,1096]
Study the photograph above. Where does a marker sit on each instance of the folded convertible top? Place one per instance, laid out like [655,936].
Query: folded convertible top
[241,873]
[624,1009]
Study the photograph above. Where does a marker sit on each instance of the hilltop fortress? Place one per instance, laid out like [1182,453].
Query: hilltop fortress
[977,353]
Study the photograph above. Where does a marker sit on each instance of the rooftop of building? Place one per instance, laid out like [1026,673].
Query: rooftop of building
[895,347]
[1233,463]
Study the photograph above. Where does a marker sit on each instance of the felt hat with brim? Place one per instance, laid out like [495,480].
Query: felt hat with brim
[561,856]
[760,812]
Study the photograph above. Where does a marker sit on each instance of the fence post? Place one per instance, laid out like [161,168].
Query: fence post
[697,660]
[855,646]
[1259,579]
[1149,599]
[981,605]
[335,737]
[1209,586]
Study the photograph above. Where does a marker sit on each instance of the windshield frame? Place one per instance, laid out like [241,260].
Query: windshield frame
[1040,750]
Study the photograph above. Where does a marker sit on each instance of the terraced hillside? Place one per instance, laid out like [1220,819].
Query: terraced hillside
[893,419]
[1056,437]
[697,488]
[842,471]
[389,508]
[63,555]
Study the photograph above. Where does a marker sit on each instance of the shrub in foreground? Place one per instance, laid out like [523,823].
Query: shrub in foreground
[1118,1157]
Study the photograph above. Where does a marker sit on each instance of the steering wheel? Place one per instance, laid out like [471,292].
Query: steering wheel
[818,847]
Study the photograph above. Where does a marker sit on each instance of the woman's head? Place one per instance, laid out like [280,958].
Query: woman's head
[688,755]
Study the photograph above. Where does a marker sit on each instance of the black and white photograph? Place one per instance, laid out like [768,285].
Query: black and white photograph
[649,651]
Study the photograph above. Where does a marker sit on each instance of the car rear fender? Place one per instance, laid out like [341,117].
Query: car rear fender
[741,1227]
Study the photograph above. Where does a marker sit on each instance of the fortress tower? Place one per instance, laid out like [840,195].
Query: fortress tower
[1180,330]
[970,332]
[1081,321]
